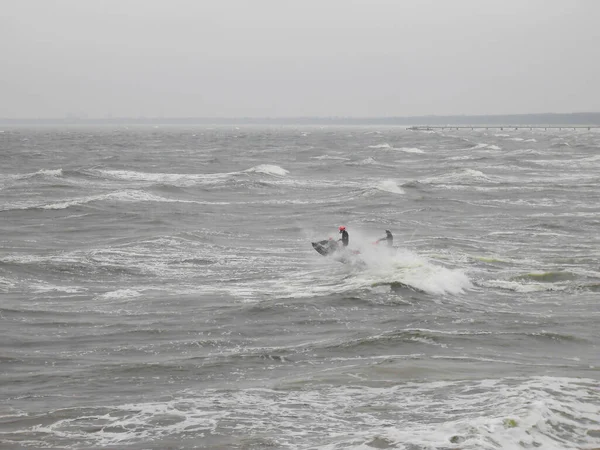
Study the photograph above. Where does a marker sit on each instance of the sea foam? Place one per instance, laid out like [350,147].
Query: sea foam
[268,169]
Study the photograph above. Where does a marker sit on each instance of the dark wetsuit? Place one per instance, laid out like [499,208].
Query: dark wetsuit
[389,238]
[345,238]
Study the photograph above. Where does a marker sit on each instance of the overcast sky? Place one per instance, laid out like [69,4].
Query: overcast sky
[281,58]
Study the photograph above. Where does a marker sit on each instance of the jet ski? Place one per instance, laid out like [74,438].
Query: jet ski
[326,247]
[331,248]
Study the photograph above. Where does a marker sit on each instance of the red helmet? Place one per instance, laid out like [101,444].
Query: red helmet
[342,228]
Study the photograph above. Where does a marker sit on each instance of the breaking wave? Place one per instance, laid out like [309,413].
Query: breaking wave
[464,176]
[364,162]
[386,146]
[410,150]
[268,169]
[389,186]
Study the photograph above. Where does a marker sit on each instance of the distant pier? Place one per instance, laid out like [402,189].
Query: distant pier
[501,127]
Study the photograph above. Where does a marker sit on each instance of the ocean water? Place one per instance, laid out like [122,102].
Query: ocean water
[159,290]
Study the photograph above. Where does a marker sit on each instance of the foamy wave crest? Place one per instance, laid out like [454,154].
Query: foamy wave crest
[465,176]
[40,173]
[389,186]
[120,196]
[329,157]
[386,146]
[516,286]
[268,169]
[166,178]
[120,294]
[42,288]
[526,151]
[546,412]
[460,158]
[364,162]
[494,147]
[389,266]
[410,150]
[6,284]
[50,172]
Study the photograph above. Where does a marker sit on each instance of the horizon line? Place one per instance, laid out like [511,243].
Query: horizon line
[291,117]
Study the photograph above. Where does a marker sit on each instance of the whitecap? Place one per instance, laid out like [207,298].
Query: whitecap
[527,151]
[329,157]
[522,287]
[44,288]
[268,169]
[464,176]
[389,186]
[6,284]
[410,149]
[364,162]
[124,196]
[386,146]
[50,172]
[120,294]
[167,178]
[39,173]
[117,196]
[390,266]
[546,412]
[460,158]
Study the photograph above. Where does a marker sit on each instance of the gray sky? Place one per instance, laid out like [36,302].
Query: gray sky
[278,58]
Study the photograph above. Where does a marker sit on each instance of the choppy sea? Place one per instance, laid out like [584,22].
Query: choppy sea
[159,290]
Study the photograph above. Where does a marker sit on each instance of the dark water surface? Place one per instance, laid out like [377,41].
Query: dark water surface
[158,288]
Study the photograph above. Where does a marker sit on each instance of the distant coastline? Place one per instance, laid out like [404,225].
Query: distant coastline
[557,119]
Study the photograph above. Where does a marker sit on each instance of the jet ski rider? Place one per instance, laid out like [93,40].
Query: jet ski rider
[345,238]
[388,237]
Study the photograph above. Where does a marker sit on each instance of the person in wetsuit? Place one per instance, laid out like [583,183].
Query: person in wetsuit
[345,238]
[388,237]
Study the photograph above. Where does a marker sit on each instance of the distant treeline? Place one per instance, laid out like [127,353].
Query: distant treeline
[592,118]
